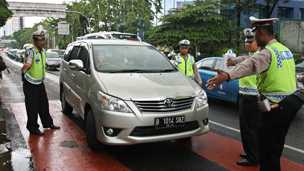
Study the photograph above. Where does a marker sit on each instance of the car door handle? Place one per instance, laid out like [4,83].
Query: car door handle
[73,76]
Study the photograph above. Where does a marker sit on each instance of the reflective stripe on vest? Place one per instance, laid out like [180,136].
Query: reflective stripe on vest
[248,85]
[279,80]
[36,73]
[186,67]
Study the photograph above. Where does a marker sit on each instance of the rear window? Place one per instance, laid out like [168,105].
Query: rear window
[52,55]
[124,36]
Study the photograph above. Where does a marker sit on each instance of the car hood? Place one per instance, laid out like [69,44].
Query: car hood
[148,85]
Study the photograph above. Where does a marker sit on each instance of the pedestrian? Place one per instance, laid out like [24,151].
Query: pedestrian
[33,75]
[274,62]
[248,106]
[186,62]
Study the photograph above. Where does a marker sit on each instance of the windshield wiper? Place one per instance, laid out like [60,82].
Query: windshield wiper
[166,70]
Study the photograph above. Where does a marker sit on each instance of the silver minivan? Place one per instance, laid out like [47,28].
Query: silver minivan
[128,92]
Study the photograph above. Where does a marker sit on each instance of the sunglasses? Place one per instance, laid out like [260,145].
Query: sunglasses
[39,39]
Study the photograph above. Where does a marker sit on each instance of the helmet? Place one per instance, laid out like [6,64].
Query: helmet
[184,43]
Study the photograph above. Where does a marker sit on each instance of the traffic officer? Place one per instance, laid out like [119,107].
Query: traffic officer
[186,62]
[33,75]
[248,106]
[274,63]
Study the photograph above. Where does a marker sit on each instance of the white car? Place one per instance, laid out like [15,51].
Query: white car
[127,92]
[53,60]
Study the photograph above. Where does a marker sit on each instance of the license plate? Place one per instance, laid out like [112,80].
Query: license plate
[169,122]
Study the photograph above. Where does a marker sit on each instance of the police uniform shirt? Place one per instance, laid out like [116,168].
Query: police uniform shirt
[253,64]
[30,55]
[240,59]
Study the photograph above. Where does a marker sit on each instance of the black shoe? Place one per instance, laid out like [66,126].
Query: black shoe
[244,155]
[245,162]
[52,127]
[37,132]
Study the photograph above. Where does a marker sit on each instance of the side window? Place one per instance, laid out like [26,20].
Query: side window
[74,53]
[207,64]
[218,64]
[67,53]
[99,37]
[84,56]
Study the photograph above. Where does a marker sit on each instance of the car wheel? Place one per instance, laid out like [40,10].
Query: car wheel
[91,134]
[66,108]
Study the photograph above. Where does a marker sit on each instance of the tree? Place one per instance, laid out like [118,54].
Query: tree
[199,22]
[270,5]
[241,6]
[5,12]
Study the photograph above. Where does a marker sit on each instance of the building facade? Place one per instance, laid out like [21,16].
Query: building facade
[292,10]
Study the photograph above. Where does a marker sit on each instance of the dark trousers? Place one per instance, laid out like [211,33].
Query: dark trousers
[272,130]
[249,117]
[36,102]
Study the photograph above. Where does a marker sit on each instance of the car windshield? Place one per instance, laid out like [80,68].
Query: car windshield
[52,55]
[130,59]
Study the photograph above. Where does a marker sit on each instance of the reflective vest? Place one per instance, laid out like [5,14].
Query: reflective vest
[36,73]
[279,80]
[248,85]
[186,67]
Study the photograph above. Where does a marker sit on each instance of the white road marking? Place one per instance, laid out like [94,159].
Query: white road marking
[237,130]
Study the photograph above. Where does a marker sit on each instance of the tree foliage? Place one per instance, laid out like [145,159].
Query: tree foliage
[104,15]
[5,12]
[198,22]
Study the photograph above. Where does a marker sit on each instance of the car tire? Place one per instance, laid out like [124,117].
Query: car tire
[66,107]
[91,133]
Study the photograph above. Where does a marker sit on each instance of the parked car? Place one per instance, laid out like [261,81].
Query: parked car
[20,55]
[59,51]
[227,90]
[135,95]
[300,70]
[53,60]
[111,35]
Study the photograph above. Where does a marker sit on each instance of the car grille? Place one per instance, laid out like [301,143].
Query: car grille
[151,131]
[161,106]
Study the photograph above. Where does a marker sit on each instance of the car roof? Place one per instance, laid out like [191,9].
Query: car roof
[112,42]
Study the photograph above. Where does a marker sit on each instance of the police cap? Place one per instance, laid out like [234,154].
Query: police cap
[261,22]
[39,34]
[249,35]
[184,43]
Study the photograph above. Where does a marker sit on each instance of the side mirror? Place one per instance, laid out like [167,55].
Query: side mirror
[76,65]
[171,54]
[174,63]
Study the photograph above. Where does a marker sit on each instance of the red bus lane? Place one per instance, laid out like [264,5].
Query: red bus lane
[66,148]
[72,152]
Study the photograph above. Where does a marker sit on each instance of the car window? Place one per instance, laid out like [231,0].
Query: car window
[124,36]
[218,64]
[207,64]
[83,55]
[74,53]
[52,55]
[67,53]
[299,63]
[126,58]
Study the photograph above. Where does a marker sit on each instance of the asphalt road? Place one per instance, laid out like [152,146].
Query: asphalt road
[223,121]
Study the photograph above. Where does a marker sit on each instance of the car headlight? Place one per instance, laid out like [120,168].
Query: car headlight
[300,77]
[202,98]
[112,103]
